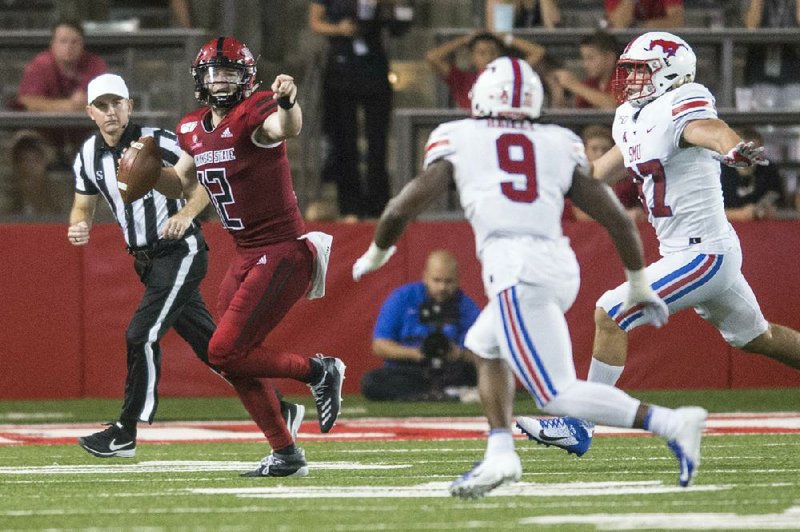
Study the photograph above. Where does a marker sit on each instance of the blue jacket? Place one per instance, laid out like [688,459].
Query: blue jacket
[398,319]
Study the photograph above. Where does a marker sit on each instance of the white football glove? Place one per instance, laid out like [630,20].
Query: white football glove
[743,154]
[370,261]
[654,309]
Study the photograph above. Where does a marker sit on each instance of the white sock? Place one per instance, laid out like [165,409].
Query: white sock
[661,421]
[500,442]
[595,402]
[604,373]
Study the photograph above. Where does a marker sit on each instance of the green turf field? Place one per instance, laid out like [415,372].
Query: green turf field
[745,481]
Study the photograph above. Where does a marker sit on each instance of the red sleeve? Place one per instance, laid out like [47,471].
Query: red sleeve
[672,3]
[260,105]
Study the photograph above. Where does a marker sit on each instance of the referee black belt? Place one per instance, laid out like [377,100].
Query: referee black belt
[160,247]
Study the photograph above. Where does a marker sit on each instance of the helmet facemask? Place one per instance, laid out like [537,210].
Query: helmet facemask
[212,77]
[633,82]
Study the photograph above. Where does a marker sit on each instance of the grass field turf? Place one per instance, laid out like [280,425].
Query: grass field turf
[745,482]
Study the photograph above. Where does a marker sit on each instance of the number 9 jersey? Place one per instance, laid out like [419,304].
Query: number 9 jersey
[511,178]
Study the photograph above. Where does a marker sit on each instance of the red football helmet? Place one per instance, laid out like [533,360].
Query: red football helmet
[229,55]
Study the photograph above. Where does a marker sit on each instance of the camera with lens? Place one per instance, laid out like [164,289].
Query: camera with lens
[436,314]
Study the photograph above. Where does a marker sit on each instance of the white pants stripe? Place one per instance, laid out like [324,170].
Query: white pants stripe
[152,337]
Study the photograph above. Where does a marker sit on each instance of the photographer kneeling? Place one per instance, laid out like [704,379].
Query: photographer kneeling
[420,333]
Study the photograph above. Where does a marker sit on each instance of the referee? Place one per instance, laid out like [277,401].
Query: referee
[170,256]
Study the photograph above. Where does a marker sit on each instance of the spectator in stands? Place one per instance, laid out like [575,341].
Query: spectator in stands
[420,335]
[597,140]
[484,47]
[526,13]
[651,14]
[357,76]
[774,64]
[599,52]
[30,194]
[55,81]
[752,193]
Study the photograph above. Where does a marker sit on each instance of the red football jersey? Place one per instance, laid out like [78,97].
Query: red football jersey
[249,184]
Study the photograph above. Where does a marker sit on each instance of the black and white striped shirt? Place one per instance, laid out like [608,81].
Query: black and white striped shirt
[95,171]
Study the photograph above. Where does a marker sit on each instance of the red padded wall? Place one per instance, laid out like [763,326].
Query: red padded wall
[41,313]
[64,310]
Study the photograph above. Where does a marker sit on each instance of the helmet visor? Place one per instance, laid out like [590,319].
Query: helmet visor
[218,74]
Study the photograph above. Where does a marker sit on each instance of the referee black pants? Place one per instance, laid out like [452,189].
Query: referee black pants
[171,272]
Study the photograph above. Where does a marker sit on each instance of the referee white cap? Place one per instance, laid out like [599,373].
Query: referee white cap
[107,84]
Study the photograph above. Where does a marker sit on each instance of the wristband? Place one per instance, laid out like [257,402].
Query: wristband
[285,103]
[508,39]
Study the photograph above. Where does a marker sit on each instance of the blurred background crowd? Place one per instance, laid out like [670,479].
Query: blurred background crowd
[361,64]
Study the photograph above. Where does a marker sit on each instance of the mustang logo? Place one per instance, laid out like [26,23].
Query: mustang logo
[670,48]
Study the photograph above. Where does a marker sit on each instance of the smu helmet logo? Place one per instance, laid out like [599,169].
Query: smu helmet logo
[670,48]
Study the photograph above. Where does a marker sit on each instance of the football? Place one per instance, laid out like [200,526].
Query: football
[139,168]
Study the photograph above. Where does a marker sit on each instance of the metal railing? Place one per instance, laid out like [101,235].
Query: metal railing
[125,51]
[722,40]
[23,119]
[410,123]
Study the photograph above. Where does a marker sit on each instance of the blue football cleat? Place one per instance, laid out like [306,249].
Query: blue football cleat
[568,433]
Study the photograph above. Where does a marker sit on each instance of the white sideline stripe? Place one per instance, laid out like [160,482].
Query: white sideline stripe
[374,428]
[440,490]
[179,434]
[178,466]
[676,521]
[11,416]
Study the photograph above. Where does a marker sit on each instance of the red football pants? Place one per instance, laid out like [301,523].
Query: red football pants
[259,288]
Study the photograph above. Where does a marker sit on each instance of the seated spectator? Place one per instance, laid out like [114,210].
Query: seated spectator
[526,13]
[599,53]
[597,140]
[752,193]
[55,81]
[420,335]
[29,194]
[650,14]
[484,47]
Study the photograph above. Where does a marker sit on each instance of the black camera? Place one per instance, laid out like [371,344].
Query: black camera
[439,314]
[436,345]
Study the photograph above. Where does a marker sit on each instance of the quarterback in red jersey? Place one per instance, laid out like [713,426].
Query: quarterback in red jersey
[235,147]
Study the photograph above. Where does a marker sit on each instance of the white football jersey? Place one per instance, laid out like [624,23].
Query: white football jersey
[511,178]
[681,186]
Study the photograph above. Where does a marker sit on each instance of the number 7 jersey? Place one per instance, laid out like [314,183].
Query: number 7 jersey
[511,175]
[678,185]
